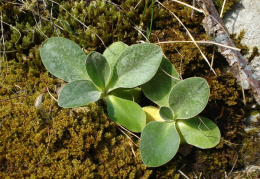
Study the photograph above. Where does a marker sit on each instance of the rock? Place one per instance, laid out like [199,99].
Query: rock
[245,16]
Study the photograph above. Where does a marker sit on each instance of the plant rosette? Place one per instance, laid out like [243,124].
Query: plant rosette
[176,121]
[113,76]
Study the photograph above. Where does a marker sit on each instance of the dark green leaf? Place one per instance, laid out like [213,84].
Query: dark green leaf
[127,113]
[98,69]
[200,132]
[159,87]
[133,94]
[159,143]
[113,51]
[64,59]
[189,97]
[78,93]
[166,113]
[136,65]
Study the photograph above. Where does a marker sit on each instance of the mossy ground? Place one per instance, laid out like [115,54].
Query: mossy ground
[52,142]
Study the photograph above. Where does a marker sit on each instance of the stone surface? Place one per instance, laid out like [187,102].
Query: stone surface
[246,15]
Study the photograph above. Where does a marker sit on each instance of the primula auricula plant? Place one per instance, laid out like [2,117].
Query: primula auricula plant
[116,75]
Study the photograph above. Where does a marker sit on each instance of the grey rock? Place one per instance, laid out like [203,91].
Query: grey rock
[246,16]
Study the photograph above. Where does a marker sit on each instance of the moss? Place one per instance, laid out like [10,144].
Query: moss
[65,143]
[254,54]
[102,20]
[228,5]
[52,142]
[64,146]
[250,150]
[224,87]
[237,40]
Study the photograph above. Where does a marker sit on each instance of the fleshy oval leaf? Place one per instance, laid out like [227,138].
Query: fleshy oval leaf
[152,114]
[113,51]
[126,113]
[159,143]
[159,87]
[200,132]
[78,93]
[135,66]
[189,97]
[133,94]
[64,59]
[166,113]
[98,69]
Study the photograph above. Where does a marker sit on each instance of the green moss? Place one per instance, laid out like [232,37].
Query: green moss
[224,87]
[254,54]
[237,40]
[83,142]
[65,143]
[251,148]
[228,6]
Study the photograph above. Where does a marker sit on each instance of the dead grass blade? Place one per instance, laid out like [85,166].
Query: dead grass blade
[222,9]
[202,42]
[203,55]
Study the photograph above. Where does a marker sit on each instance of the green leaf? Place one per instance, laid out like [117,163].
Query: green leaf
[136,65]
[200,132]
[133,94]
[78,93]
[159,143]
[189,97]
[159,87]
[166,113]
[64,59]
[65,23]
[98,69]
[126,113]
[113,51]
[62,20]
